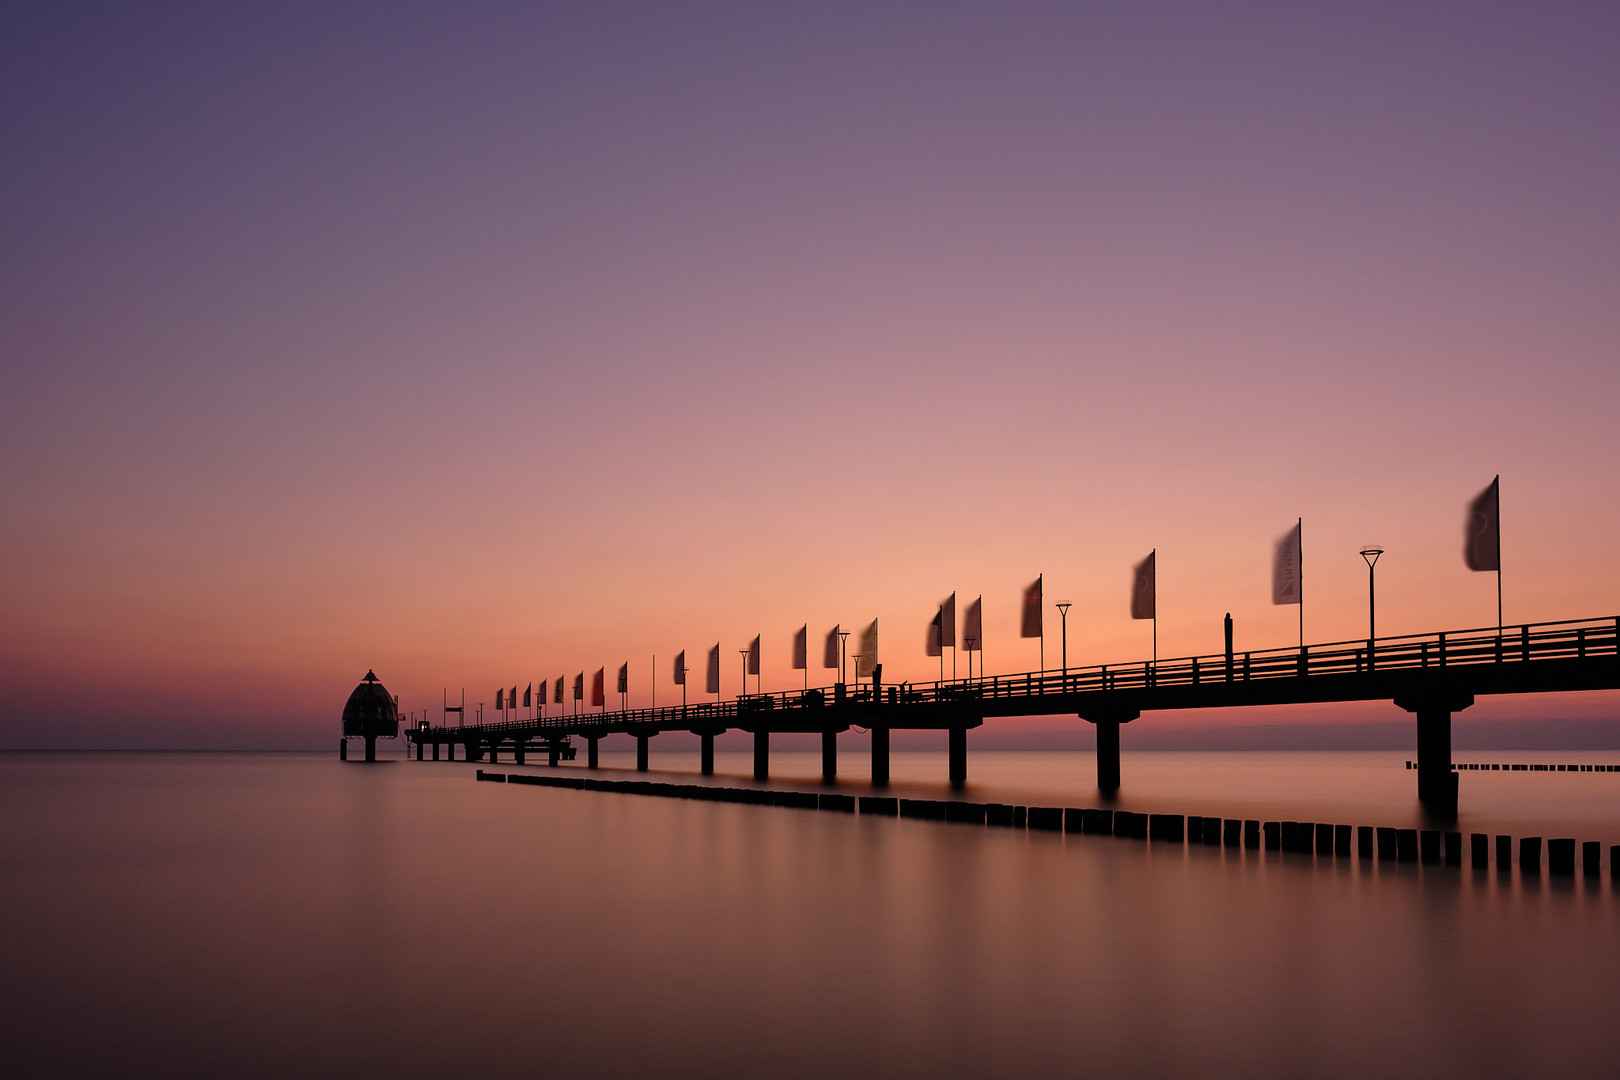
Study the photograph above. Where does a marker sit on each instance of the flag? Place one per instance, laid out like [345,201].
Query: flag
[557,698]
[1482,532]
[527,695]
[511,699]
[1032,610]
[1144,588]
[868,655]
[624,677]
[712,684]
[680,668]
[753,656]
[579,687]
[829,655]
[931,640]
[1287,568]
[596,687]
[973,626]
[947,622]
[801,648]
[499,699]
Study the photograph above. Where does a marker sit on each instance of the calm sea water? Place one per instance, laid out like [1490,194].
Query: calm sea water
[270,915]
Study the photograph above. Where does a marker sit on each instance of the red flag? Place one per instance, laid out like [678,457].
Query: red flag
[829,654]
[947,622]
[931,640]
[1482,532]
[596,687]
[1287,569]
[1144,588]
[1032,610]
[801,648]
[973,626]
[624,677]
[753,656]
[680,668]
[712,684]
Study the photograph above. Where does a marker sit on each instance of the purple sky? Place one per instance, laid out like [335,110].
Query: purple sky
[477,343]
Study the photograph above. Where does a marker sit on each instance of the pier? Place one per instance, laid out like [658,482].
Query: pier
[1431,676]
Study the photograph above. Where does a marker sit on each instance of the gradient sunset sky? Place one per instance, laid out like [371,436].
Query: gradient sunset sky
[483,343]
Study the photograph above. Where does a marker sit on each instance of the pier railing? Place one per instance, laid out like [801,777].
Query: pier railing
[1526,643]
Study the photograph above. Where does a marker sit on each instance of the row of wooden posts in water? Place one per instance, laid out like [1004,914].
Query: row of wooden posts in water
[1368,842]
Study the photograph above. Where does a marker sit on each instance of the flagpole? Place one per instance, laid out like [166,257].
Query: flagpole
[1498,483]
[1299,530]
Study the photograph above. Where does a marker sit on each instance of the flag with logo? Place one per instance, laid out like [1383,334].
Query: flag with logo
[1482,532]
[801,648]
[1030,626]
[712,682]
[869,650]
[973,626]
[1144,588]
[1287,567]
[753,656]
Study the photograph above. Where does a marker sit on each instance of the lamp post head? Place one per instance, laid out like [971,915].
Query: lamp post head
[1063,608]
[1370,553]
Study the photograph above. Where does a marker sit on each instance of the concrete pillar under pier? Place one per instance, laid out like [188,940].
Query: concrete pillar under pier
[1437,784]
[762,755]
[590,751]
[880,757]
[435,751]
[641,753]
[706,755]
[343,749]
[494,752]
[1107,723]
[371,748]
[520,752]
[552,752]
[418,751]
[829,756]
[958,756]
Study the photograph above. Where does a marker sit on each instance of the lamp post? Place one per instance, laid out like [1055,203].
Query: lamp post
[744,654]
[843,642]
[1370,553]
[1063,613]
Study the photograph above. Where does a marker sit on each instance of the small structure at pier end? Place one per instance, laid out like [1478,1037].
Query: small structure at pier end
[370,713]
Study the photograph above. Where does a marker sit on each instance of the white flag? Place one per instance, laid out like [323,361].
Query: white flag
[1287,577]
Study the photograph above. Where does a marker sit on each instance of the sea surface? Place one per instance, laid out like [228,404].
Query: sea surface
[290,915]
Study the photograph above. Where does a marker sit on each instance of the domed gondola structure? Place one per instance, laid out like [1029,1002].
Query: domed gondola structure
[370,713]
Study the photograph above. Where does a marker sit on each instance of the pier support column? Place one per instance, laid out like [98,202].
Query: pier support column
[590,752]
[435,751]
[419,751]
[343,749]
[1437,784]
[494,752]
[829,757]
[880,757]
[371,748]
[520,752]
[762,755]
[1107,723]
[958,756]
[553,752]
[641,753]
[706,755]
[450,751]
